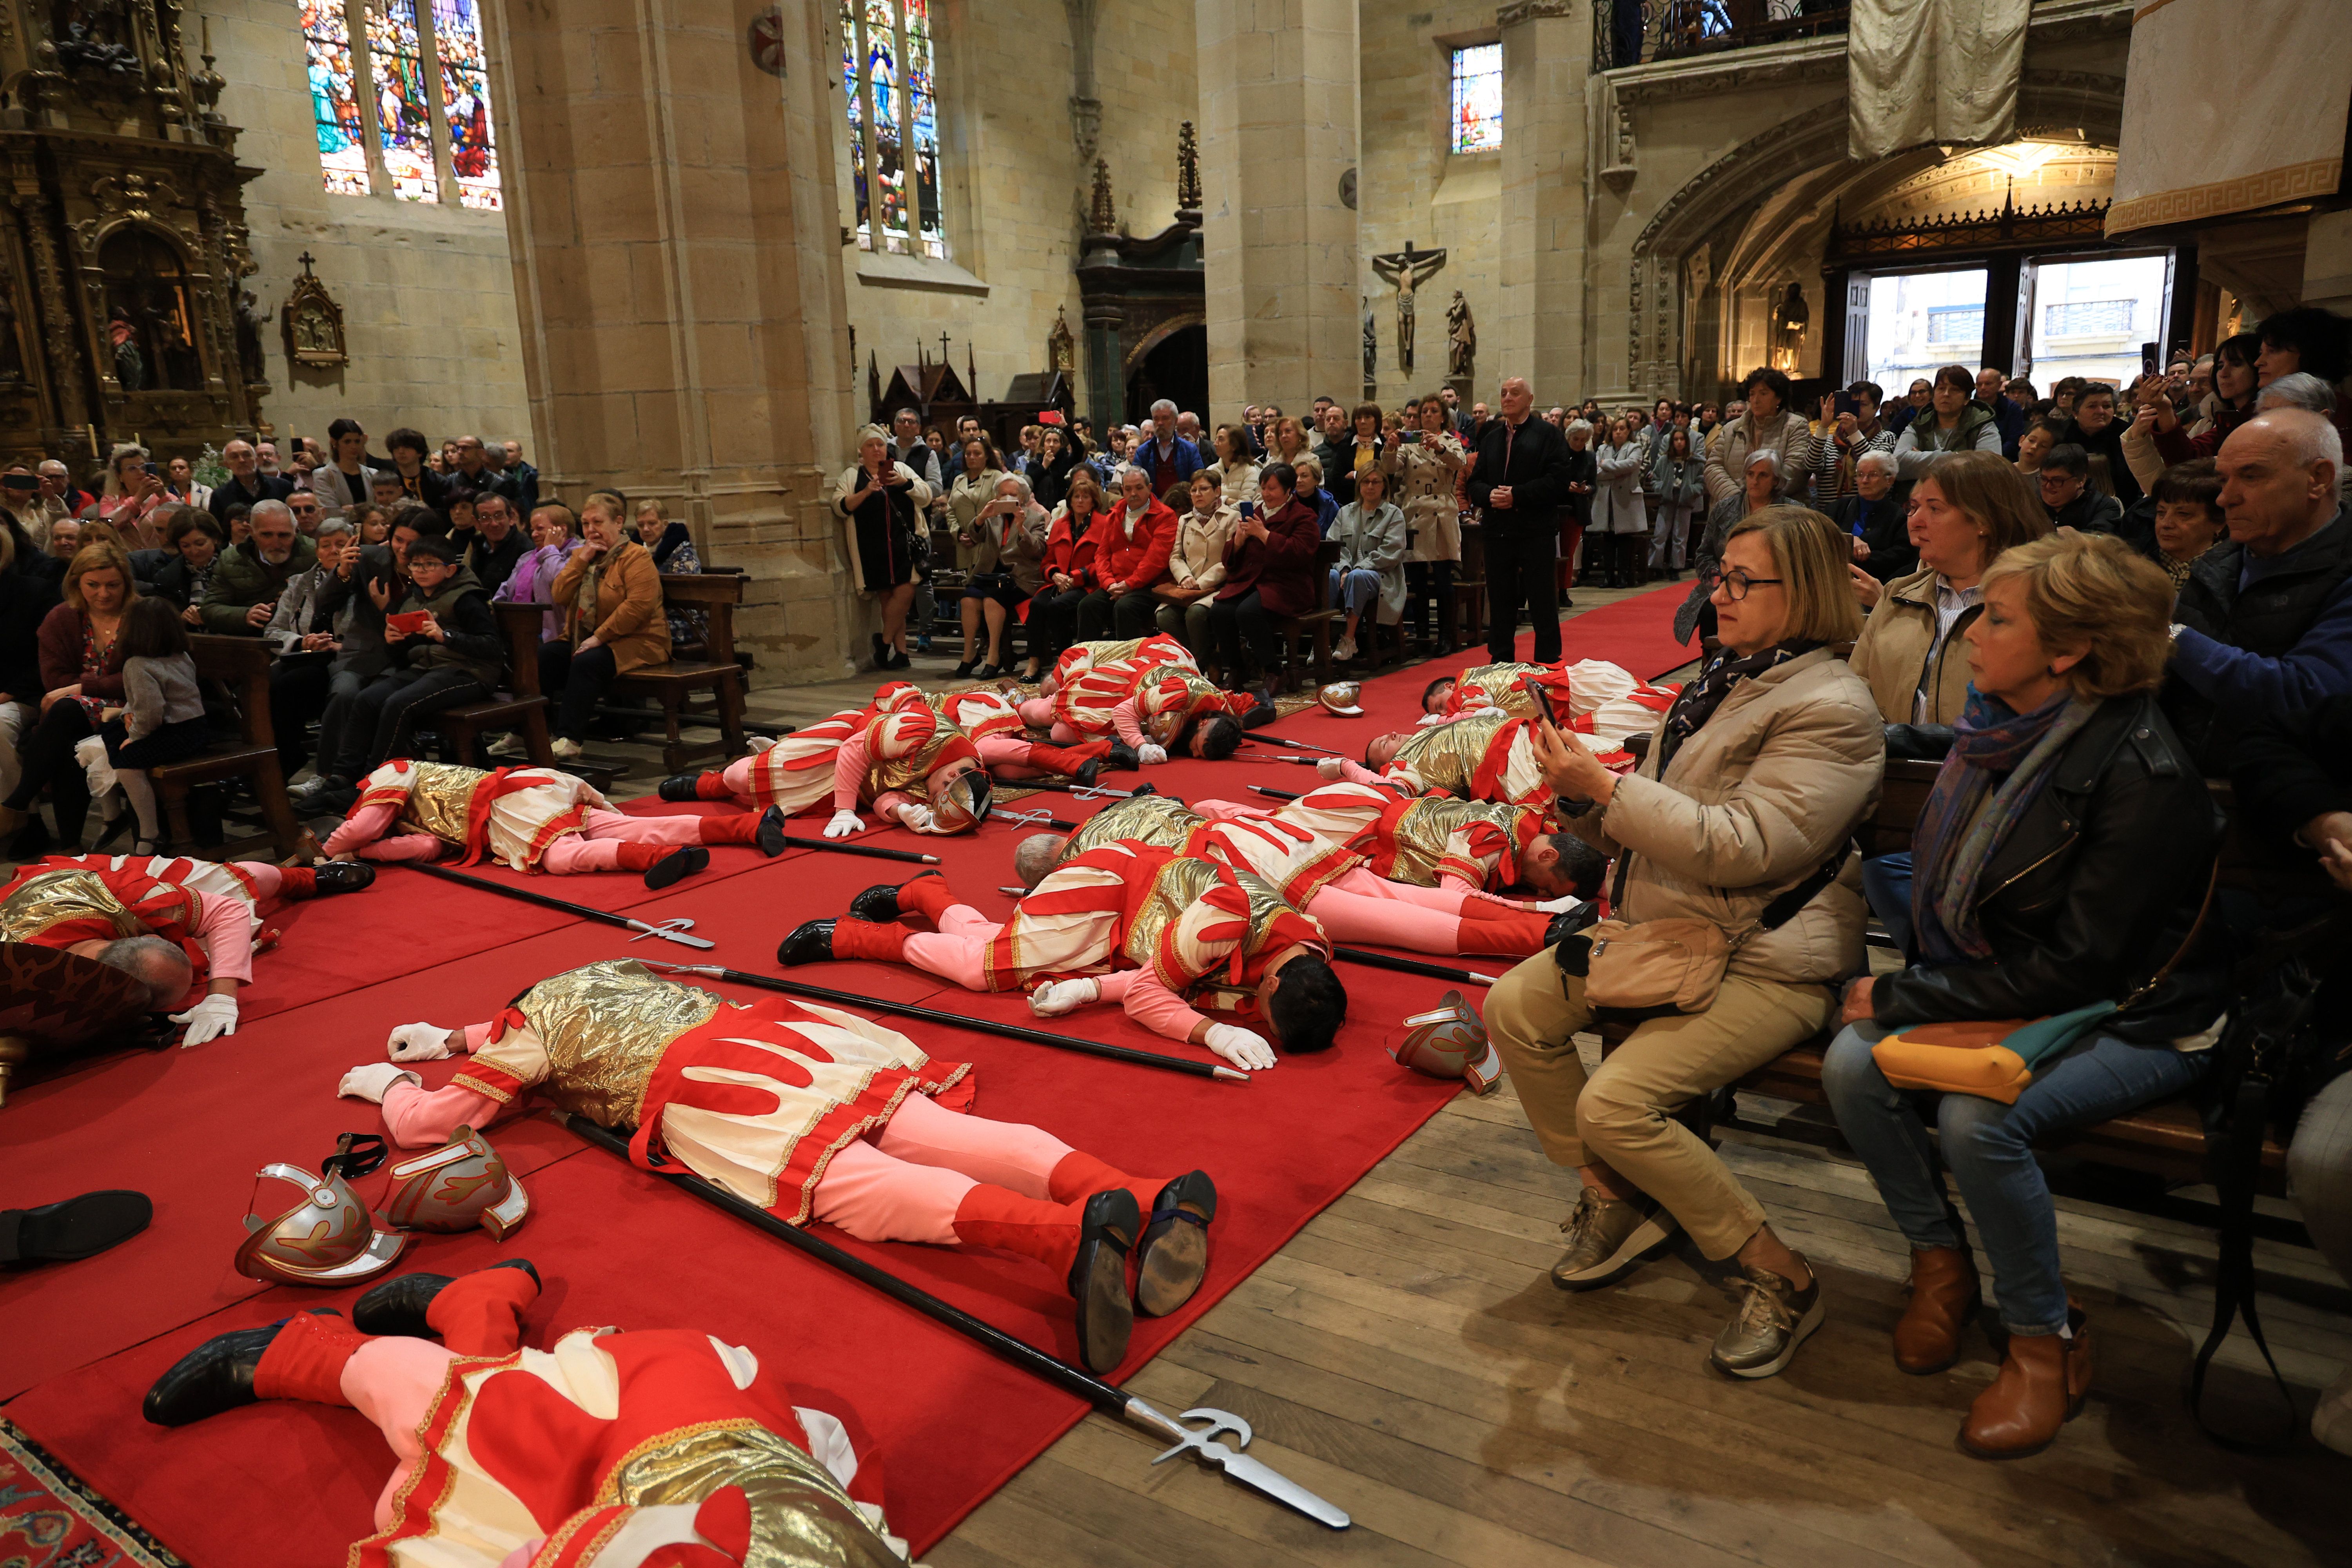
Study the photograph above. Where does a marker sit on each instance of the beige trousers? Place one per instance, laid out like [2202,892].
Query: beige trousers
[1621,1114]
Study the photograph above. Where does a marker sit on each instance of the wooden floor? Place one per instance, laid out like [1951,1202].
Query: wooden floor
[1408,1357]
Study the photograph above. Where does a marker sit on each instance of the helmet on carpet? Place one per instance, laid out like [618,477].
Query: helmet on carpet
[458,1186]
[1450,1041]
[1340,696]
[329,1239]
[964,802]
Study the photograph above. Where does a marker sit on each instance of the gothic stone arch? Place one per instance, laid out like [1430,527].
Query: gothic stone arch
[2089,103]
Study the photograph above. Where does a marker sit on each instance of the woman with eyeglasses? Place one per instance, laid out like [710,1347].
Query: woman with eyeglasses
[1762,485]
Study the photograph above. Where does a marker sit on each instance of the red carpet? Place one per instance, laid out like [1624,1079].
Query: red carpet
[951,1424]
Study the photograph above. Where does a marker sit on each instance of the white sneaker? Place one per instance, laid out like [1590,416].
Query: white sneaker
[508,745]
[1344,648]
[567,750]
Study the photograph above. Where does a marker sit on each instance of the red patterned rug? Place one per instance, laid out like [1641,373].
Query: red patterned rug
[49,1519]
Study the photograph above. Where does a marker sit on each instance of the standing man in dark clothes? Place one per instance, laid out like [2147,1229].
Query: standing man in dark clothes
[1520,483]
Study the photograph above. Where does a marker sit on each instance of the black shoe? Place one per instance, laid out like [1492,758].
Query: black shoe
[216,1376]
[962,671]
[810,942]
[1259,717]
[342,876]
[680,787]
[881,653]
[1571,921]
[74,1228]
[1106,1312]
[897,660]
[1146,787]
[1121,756]
[879,905]
[987,672]
[676,866]
[397,1306]
[1175,1250]
[770,838]
[1088,772]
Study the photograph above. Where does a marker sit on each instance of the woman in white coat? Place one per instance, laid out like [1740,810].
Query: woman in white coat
[878,500]
[1370,533]
[1621,523]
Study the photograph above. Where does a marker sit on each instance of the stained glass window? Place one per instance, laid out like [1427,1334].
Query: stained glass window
[892,103]
[334,98]
[397,59]
[1479,98]
[466,100]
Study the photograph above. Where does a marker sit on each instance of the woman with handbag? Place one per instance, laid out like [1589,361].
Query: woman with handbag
[2037,897]
[1737,913]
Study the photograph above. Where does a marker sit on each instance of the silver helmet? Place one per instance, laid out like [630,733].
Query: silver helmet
[457,1187]
[329,1239]
[1450,1041]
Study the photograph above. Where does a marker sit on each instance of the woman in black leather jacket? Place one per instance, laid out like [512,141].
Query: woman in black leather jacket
[2065,859]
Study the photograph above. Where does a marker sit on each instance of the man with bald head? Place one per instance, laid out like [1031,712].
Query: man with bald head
[2264,625]
[247,485]
[1519,484]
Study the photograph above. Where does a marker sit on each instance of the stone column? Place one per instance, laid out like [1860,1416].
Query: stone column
[678,279]
[1547,60]
[1279,131]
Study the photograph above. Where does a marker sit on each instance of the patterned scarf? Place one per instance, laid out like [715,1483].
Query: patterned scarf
[1703,695]
[1999,753]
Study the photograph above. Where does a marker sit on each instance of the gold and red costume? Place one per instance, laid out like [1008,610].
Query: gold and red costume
[1427,841]
[1001,737]
[881,755]
[1592,696]
[513,815]
[53,903]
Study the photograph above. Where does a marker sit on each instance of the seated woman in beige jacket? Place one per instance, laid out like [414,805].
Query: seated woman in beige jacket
[1740,816]
[1196,563]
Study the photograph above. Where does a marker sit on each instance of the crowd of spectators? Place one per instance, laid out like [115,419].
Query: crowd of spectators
[370,580]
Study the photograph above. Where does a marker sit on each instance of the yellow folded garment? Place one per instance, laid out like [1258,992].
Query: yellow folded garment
[1996,1072]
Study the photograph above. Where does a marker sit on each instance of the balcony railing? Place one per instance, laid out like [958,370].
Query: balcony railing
[1633,32]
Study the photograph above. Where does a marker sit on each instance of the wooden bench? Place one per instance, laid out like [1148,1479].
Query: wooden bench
[521,708]
[2166,1139]
[716,678]
[242,665]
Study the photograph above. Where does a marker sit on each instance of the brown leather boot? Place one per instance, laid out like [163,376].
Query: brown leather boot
[2043,1383]
[1944,1294]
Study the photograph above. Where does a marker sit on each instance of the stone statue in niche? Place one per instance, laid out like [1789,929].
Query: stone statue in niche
[313,322]
[1061,349]
[1371,345]
[1461,340]
[250,319]
[1407,270]
[1789,321]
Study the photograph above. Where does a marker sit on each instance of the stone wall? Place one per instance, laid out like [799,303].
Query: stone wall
[1412,188]
[1016,195]
[426,290]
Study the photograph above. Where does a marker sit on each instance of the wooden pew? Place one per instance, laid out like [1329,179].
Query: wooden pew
[676,684]
[521,707]
[241,664]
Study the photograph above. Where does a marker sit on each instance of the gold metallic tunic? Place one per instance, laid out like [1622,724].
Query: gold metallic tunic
[603,1030]
[1500,684]
[1446,756]
[53,899]
[1424,830]
[1175,887]
[1160,820]
[801,1516]
[911,773]
[440,801]
[1267,910]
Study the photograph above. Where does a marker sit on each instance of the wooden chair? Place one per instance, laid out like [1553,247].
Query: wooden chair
[521,707]
[2167,1139]
[241,664]
[1314,624]
[676,684]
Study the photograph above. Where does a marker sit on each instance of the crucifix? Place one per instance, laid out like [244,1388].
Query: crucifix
[1408,269]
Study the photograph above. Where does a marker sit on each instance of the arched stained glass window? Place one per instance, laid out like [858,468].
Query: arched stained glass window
[334,98]
[891,90]
[465,100]
[396,57]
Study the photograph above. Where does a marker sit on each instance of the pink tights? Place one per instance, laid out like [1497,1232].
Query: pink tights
[606,831]
[956,951]
[909,1182]
[392,1382]
[1007,758]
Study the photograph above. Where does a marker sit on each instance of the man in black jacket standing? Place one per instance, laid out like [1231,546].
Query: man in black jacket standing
[1520,483]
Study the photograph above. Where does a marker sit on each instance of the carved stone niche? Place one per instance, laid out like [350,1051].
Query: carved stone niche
[313,323]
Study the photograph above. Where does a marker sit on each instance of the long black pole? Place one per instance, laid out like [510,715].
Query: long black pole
[543,901]
[1020,1353]
[1277,794]
[958,1021]
[1065,786]
[1262,738]
[871,851]
[1411,966]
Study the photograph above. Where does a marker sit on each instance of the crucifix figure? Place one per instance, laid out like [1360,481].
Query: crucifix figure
[1408,269]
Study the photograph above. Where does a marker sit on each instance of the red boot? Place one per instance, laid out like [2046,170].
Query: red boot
[1501,932]
[863,939]
[1088,1243]
[306,1359]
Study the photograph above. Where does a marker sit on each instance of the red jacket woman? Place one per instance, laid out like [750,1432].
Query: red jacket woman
[1135,555]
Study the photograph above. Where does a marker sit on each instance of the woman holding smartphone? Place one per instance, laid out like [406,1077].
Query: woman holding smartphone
[879,500]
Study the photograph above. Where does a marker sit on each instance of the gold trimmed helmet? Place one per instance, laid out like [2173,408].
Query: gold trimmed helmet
[457,1187]
[1340,698]
[328,1239]
[963,804]
[1450,1041]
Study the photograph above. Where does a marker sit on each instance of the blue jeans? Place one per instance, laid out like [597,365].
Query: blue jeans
[1988,1147]
[1886,883]
[1351,590]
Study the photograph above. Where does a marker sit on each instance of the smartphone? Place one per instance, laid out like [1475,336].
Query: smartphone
[2147,359]
[151,469]
[1542,700]
[1846,402]
[1249,509]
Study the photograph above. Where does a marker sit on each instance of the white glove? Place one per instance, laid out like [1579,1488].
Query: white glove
[208,1019]
[420,1043]
[913,815]
[843,824]
[1559,906]
[1151,756]
[1329,768]
[373,1081]
[1056,997]
[760,743]
[1240,1046]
